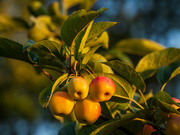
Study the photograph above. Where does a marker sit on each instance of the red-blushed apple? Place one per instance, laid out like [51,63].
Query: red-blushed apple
[87,111]
[101,88]
[173,125]
[78,88]
[147,130]
[61,104]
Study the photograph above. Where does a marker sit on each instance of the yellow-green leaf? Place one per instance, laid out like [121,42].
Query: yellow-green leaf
[76,22]
[138,46]
[150,63]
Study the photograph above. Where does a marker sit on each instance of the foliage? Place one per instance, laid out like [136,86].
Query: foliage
[74,53]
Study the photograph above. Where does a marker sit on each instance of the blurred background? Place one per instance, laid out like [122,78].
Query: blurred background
[20,84]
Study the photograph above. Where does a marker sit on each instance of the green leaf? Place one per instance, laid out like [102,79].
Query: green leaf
[68,129]
[12,49]
[103,40]
[98,28]
[116,54]
[175,73]
[52,47]
[95,65]
[123,87]
[44,62]
[120,99]
[89,55]
[165,74]
[80,41]
[106,127]
[138,46]
[76,22]
[127,72]
[167,107]
[46,94]
[150,63]
[105,109]
[164,97]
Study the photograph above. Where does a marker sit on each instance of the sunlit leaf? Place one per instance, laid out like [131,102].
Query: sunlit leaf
[150,63]
[98,28]
[46,94]
[128,73]
[89,55]
[138,46]
[80,41]
[96,65]
[76,22]
[103,39]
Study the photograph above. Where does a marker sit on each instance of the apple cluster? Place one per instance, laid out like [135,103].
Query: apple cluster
[83,98]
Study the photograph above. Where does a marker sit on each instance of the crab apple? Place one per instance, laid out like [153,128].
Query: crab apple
[87,111]
[78,88]
[101,88]
[173,125]
[147,130]
[61,104]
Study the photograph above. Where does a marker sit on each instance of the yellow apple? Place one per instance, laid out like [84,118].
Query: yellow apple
[61,104]
[87,111]
[101,88]
[173,125]
[78,88]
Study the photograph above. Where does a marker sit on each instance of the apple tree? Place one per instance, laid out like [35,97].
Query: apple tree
[74,54]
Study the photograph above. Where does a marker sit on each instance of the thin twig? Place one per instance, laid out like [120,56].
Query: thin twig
[48,68]
[48,75]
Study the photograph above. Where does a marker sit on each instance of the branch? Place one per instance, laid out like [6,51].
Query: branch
[48,75]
